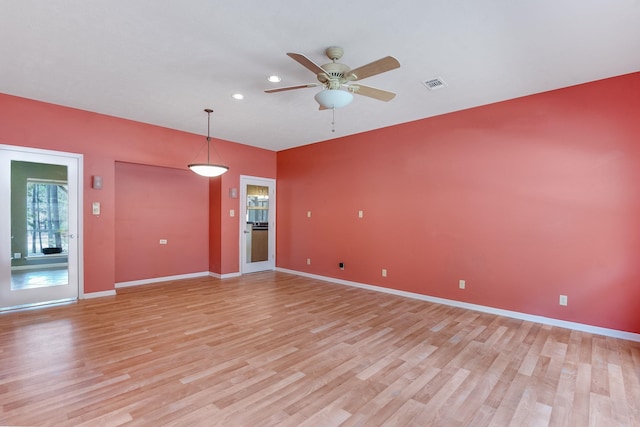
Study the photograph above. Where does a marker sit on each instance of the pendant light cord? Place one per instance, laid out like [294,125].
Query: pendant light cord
[209,138]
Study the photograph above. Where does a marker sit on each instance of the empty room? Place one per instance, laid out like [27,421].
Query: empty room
[303,214]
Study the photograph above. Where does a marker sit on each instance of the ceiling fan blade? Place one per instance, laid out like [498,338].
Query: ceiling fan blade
[372,92]
[282,89]
[382,65]
[306,62]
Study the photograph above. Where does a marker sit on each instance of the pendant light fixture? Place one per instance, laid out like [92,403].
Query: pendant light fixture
[208,169]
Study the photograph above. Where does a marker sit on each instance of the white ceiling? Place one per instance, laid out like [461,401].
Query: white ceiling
[162,62]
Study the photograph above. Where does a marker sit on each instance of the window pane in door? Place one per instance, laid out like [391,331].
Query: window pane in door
[47,219]
[39,225]
[257,223]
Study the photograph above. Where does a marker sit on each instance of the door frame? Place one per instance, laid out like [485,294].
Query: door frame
[270,264]
[76,215]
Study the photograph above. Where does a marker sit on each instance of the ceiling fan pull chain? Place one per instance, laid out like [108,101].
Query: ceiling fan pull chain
[333,119]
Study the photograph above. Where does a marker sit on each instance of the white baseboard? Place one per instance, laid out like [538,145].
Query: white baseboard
[224,276]
[231,275]
[614,333]
[98,294]
[161,279]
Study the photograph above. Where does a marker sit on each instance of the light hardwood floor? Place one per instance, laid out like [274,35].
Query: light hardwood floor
[277,349]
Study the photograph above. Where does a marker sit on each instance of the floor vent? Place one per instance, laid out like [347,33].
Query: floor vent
[433,84]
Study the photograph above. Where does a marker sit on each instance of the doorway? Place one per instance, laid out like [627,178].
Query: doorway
[257,224]
[40,194]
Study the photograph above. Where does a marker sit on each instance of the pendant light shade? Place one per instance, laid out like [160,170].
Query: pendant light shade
[208,169]
[334,98]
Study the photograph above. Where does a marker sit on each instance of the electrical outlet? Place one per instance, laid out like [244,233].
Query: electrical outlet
[564,300]
[462,284]
[308,261]
[341,265]
[163,241]
[360,214]
[384,272]
[308,214]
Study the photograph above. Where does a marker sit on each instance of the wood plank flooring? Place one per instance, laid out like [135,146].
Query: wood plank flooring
[277,349]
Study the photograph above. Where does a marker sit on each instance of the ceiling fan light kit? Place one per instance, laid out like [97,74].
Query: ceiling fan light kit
[208,169]
[333,98]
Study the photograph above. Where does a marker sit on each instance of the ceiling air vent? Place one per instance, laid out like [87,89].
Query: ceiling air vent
[433,84]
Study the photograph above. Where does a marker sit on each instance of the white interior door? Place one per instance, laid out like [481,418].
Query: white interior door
[39,240]
[257,224]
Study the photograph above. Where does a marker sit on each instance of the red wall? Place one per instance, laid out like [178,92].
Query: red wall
[215,226]
[103,140]
[525,200]
[150,205]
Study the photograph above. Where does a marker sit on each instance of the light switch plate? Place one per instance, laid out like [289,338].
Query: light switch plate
[95,208]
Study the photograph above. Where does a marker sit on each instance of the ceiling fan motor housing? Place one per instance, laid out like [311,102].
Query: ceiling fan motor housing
[335,74]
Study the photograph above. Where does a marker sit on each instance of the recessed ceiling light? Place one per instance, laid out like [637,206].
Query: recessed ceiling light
[237,96]
[274,79]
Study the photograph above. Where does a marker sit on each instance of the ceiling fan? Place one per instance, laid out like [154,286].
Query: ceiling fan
[338,79]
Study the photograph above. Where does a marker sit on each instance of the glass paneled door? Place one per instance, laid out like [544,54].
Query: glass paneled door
[257,224]
[39,231]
